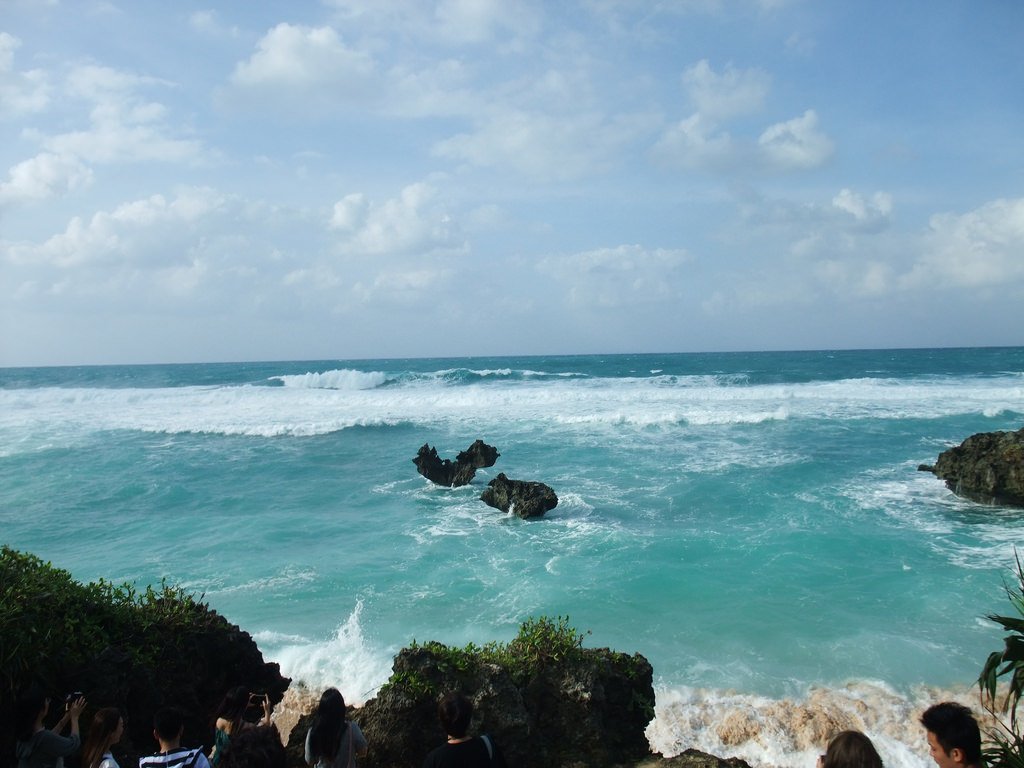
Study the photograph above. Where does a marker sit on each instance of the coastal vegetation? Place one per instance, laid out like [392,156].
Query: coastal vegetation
[1006,747]
[120,646]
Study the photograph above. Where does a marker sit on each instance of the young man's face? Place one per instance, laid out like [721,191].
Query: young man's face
[953,759]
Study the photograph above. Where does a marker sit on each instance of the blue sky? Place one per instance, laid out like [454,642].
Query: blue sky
[381,178]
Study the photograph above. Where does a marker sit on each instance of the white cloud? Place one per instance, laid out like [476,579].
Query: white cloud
[414,223]
[981,248]
[208,23]
[544,146]
[297,58]
[625,275]
[20,92]
[796,143]
[124,126]
[42,177]
[723,96]
[695,143]
[144,233]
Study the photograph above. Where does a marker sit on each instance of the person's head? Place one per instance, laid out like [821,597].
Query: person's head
[328,724]
[332,705]
[851,749]
[954,738]
[258,747]
[235,702]
[168,725]
[30,708]
[455,711]
[104,731]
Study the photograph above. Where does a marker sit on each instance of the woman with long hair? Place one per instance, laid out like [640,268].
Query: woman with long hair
[231,717]
[333,740]
[850,749]
[105,731]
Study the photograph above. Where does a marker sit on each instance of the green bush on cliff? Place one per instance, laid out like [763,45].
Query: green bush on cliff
[1006,749]
[124,647]
[49,623]
[540,642]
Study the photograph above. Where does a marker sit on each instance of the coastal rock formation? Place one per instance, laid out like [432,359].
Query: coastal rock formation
[135,650]
[581,707]
[525,499]
[458,472]
[986,467]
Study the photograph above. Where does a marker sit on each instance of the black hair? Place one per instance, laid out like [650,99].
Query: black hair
[954,727]
[328,725]
[455,711]
[168,722]
[233,706]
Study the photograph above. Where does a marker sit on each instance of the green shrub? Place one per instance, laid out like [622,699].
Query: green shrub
[1006,747]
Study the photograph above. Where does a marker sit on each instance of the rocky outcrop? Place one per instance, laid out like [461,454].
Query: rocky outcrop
[136,650]
[525,499]
[455,473]
[589,707]
[986,467]
[693,758]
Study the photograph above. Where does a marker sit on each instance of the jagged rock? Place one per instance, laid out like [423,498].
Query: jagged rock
[589,710]
[458,472]
[986,467]
[525,499]
[692,758]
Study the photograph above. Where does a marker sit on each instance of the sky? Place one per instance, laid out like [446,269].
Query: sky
[191,182]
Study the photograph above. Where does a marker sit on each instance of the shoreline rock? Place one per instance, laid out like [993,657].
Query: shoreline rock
[987,467]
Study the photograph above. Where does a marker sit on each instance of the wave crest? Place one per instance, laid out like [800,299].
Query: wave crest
[344,378]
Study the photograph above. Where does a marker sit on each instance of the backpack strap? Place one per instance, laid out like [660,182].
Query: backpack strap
[487,743]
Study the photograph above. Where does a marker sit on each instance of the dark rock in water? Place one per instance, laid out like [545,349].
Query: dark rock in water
[986,467]
[458,472]
[478,455]
[525,499]
[590,709]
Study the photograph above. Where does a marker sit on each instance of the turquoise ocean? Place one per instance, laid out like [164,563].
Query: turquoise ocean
[753,523]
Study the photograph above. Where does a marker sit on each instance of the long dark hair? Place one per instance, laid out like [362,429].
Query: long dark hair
[104,723]
[26,710]
[232,707]
[328,725]
[852,749]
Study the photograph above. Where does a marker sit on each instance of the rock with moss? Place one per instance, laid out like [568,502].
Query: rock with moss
[545,699]
[137,650]
[987,467]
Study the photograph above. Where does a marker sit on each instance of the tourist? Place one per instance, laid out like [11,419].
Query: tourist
[105,731]
[37,747]
[850,749]
[258,747]
[333,740]
[953,735]
[231,717]
[168,727]
[462,751]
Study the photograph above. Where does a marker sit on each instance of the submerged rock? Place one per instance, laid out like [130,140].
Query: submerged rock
[986,467]
[455,473]
[525,499]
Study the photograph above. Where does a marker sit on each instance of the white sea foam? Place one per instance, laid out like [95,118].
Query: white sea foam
[339,379]
[769,732]
[320,403]
[346,660]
